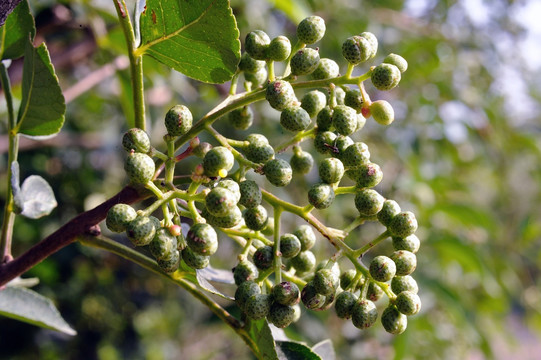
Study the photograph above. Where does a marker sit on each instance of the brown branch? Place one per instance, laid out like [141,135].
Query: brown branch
[83,223]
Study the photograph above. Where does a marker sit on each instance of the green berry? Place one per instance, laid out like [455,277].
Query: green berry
[259,153]
[324,142]
[364,314]
[403,224]
[202,149]
[304,62]
[258,306]
[232,186]
[367,175]
[340,145]
[202,239]
[388,212]
[324,119]
[404,283]
[409,243]
[245,271]
[374,292]
[347,277]
[304,261]
[321,195]
[264,257]
[241,118]
[141,230]
[220,201]
[313,102]
[280,315]
[361,121]
[256,218]
[119,216]
[331,170]
[311,30]
[373,42]
[345,301]
[269,230]
[344,119]
[405,261]
[393,321]
[246,290]
[397,61]
[356,49]
[385,77]
[354,99]
[382,268]
[194,260]
[340,96]
[408,303]
[290,246]
[280,94]
[326,282]
[301,162]
[257,140]
[257,42]
[356,155]
[228,221]
[250,194]
[278,172]
[329,301]
[382,112]
[217,159]
[258,78]
[335,268]
[368,202]
[326,69]
[163,244]
[137,140]
[279,49]
[286,293]
[139,167]
[311,298]
[170,264]
[249,64]
[294,118]
[178,120]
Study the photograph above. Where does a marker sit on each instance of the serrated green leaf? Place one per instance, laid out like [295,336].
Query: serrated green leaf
[325,350]
[261,334]
[198,38]
[16,32]
[29,306]
[35,198]
[42,109]
[290,350]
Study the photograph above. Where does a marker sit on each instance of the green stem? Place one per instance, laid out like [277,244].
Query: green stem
[296,139]
[277,254]
[345,190]
[349,70]
[371,244]
[270,66]
[225,142]
[298,45]
[358,221]
[234,81]
[247,234]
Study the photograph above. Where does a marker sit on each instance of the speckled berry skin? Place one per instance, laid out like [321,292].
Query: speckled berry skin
[368,202]
[137,140]
[344,303]
[141,230]
[321,195]
[259,152]
[250,194]
[304,261]
[139,167]
[311,298]
[361,121]
[228,221]
[258,306]
[216,159]
[356,155]
[294,118]
[286,293]
[397,61]
[404,283]
[169,264]
[202,149]
[119,216]
[340,145]
[324,119]
[331,170]
[339,95]
[356,49]
[374,292]
[326,69]
[373,42]
[245,271]
[364,314]
[244,291]
[382,268]
[394,321]
[324,142]
[311,30]
[257,79]
[405,261]
[388,212]
[278,172]
[256,43]
[163,244]
[403,224]
[326,281]
[367,175]
[344,119]
[202,239]
[408,303]
[279,49]
[409,243]
[194,260]
[178,120]
[306,236]
[346,278]
[249,64]
[256,218]
[280,94]
[304,62]
[290,246]
[280,315]
[385,77]
[301,162]
[220,201]
[241,118]
[313,102]
[354,99]
[232,186]
[382,112]
[263,257]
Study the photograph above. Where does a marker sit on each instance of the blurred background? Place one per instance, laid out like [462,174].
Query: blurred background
[464,154]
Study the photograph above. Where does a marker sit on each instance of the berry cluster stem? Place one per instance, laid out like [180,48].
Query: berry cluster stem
[277,254]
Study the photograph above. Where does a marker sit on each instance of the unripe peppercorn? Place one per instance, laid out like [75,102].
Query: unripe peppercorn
[311,30]
[230,220]
[216,160]
[232,186]
[356,49]
[397,61]
[311,298]
[246,290]
[141,230]
[326,282]
[256,218]
[170,264]
[356,155]
[245,271]
[202,239]
[178,120]
[364,314]
[286,293]
[304,261]
[382,268]
[290,246]
[249,64]
[368,202]
[294,118]
[344,119]
[301,162]
[385,77]
[331,170]
[220,201]
[321,195]
[403,224]
[258,306]
[278,172]
[263,257]
[313,102]
[374,292]
[306,236]
[404,283]
[194,260]
[408,303]
[280,94]
[119,216]
[250,194]
[137,140]
[324,119]
[279,49]
[354,99]
[241,118]
[163,244]
[326,69]
[280,315]
[139,167]
[393,321]
[345,301]
[382,112]
[340,145]
[405,261]
[373,42]
[409,243]
[305,61]
[388,212]
[257,79]
[257,42]
[367,175]
[324,142]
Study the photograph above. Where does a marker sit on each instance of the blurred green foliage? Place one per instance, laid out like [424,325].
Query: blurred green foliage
[463,154]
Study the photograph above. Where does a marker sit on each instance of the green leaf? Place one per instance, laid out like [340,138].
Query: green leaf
[198,38]
[325,350]
[29,306]
[261,334]
[204,275]
[289,350]
[14,35]
[42,107]
[36,198]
